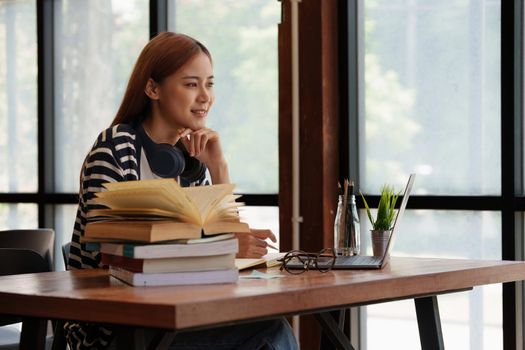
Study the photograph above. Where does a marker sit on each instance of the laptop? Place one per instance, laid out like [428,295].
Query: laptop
[365,261]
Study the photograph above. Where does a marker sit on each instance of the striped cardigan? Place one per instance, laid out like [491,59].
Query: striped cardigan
[115,156]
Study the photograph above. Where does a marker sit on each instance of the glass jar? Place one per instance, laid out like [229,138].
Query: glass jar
[347,228]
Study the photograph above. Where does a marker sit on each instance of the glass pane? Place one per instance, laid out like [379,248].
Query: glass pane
[432,95]
[242,38]
[470,320]
[18,216]
[97,44]
[18,97]
[65,216]
[262,218]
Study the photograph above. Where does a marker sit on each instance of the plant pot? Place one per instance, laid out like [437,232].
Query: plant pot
[380,239]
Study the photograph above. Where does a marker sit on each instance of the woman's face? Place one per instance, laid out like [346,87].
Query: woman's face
[185,97]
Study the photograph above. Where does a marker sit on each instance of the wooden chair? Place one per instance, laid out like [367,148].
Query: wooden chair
[65,253]
[23,251]
[41,241]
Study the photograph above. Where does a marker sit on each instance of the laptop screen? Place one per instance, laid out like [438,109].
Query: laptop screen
[406,194]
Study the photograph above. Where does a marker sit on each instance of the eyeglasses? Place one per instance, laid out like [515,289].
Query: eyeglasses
[298,261]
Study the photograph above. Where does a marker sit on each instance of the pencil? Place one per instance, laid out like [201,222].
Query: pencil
[271,246]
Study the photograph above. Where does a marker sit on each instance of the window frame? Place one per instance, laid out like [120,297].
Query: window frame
[511,202]
[46,196]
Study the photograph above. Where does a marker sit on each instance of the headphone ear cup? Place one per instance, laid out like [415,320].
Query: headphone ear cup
[167,161]
[194,169]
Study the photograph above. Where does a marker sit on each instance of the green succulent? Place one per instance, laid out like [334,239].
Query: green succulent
[386,212]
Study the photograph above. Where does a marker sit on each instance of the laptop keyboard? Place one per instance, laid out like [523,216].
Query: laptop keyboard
[341,261]
[357,260]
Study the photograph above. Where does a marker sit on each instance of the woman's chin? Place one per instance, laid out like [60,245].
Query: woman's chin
[197,125]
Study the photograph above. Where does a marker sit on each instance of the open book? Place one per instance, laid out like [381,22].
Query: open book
[268,260]
[159,209]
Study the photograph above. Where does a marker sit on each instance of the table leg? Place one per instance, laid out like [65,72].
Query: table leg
[33,335]
[129,338]
[59,338]
[429,323]
[333,331]
[162,341]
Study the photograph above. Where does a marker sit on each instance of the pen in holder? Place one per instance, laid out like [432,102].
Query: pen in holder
[346,225]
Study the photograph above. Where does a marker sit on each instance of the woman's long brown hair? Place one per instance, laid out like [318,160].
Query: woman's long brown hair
[161,57]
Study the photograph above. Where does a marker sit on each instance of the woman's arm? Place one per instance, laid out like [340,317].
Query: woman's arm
[204,144]
[219,173]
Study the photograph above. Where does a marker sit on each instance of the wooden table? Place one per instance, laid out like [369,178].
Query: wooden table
[92,295]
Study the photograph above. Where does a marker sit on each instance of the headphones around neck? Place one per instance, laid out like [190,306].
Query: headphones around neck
[167,161]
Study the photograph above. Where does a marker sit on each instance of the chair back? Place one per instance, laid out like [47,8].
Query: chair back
[41,241]
[65,253]
[17,261]
[24,251]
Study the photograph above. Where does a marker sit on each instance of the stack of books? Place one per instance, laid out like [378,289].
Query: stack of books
[153,232]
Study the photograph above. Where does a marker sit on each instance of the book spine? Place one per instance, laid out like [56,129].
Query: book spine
[92,246]
[156,251]
[176,278]
[128,251]
[184,250]
[134,265]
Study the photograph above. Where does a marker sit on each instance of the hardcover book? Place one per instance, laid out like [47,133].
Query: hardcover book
[181,264]
[158,210]
[174,250]
[175,278]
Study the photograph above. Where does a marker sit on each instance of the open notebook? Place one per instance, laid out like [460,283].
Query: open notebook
[268,260]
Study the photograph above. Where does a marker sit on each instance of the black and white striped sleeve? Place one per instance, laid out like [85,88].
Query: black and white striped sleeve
[112,158]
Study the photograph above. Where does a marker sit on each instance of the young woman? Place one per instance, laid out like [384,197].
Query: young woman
[160,131]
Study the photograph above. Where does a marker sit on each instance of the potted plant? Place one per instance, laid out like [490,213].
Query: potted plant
[382,225]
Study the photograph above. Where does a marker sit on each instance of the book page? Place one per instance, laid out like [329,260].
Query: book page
[147,198]
[199,204]
[268,260]
[173,197]
[135,214]
[245,263]
[227,209]
[206,197]
[225,226]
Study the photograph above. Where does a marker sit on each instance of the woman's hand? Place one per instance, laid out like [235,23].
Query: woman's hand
[204,144]
[253,244]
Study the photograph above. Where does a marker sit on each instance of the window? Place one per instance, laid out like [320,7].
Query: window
[18,99]
[245,113]
[65,216]
[18,216]
[432,105]
[244,53]
[432,96]
[96,45]
[470,320]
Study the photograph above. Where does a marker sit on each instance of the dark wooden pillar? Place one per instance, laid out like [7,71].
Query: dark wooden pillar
[285,127]
[319,137]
